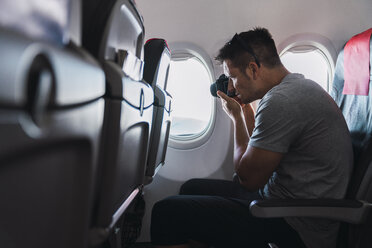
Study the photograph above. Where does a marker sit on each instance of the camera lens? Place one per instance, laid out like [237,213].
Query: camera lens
[221,84]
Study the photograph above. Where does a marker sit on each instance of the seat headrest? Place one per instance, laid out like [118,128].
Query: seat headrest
[112,25]
[157,61]
[34,20]
[356,64]
[357,109]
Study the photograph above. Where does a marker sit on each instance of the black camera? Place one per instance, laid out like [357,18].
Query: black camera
[222,85]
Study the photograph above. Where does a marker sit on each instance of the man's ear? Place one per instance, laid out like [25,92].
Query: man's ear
[253,70]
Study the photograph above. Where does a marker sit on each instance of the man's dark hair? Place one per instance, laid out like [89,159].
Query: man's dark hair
[254,45]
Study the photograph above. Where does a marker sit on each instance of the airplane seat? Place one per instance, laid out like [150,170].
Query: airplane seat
[51,117]
[113,32]
[357,109]
[157,62]
[352,94]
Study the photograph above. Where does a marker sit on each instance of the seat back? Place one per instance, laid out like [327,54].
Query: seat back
[357,110]
[113,32]
[157,62]
[51,116]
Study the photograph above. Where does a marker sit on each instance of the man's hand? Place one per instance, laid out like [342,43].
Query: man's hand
[230,88]
[230,106]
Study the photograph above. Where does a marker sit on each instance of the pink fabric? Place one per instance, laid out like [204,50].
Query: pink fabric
[356,64]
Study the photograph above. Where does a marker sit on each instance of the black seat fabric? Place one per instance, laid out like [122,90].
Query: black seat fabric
[354,211]
[113,32]
[157,63]
[51,112]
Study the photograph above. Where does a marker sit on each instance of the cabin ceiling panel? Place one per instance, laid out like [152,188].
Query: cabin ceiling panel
[209,23]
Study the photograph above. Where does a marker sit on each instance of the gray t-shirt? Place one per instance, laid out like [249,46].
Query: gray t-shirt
[299,119]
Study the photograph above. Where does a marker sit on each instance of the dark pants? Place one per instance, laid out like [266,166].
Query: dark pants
[216,212]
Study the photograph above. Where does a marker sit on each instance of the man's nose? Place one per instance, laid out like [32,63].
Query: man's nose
[230,85]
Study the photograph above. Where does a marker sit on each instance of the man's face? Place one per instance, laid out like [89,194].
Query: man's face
[244,86]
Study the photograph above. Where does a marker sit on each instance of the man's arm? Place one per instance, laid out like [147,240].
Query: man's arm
[248,113]
[254,166]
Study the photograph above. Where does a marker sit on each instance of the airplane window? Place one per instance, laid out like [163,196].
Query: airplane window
[188,83]
[309,61]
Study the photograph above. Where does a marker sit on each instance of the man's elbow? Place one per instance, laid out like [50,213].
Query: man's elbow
[251,184]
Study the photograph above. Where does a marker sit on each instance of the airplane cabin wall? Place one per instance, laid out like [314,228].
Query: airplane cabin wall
[209,24]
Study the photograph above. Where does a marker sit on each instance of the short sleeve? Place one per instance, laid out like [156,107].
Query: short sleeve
[277,124]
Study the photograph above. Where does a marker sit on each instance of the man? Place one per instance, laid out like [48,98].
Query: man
[299,148]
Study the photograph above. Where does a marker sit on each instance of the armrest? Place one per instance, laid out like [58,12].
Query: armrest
[351,211]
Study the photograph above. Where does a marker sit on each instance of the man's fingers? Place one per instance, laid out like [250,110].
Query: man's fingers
[238,100]
[222,95]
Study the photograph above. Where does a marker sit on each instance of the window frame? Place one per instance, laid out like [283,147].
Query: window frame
[319,43]
[185,50]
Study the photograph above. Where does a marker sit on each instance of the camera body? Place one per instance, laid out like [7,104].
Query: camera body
[221,84]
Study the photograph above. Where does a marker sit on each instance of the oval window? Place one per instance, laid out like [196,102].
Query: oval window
[311,62]
[188,83]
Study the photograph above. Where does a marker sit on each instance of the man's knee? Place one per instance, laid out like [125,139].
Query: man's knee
[190,187]
[168,210]
[168,221]
[162,208]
